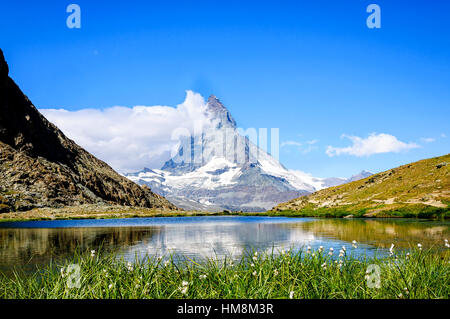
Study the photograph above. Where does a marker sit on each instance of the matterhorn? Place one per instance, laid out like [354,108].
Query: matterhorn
[220,169]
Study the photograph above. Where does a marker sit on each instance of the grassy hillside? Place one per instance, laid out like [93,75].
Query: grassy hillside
[419,189]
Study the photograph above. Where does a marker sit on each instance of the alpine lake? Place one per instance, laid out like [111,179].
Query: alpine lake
[24,246]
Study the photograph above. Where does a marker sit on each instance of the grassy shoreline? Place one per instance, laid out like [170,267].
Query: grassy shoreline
[112,212]
[411,211]
[313,274]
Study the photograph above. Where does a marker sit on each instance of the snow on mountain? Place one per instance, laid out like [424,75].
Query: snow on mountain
[359,176]
[219,169]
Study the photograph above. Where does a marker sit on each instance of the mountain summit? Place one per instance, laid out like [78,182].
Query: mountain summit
[220,169]
[41,167]
[218,111]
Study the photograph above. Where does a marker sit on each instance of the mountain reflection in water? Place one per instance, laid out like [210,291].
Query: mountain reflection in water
[405,233]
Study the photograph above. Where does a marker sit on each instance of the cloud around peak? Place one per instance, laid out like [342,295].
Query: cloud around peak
[130,138]
[373,144]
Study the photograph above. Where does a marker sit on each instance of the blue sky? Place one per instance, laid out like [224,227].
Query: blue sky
[310,68]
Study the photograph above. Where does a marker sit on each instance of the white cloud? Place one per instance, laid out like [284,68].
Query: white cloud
[130,138]
[374,144]
[427,139]
[309,145]
[309,149]
[290,143]
[443,135]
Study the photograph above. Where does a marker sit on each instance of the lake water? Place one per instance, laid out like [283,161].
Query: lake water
[24,245]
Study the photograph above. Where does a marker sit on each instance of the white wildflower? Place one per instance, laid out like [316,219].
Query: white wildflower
[254,273]
[275,272]
[183,290]
[291,295]
[202,277]
[92,253]
[391,250]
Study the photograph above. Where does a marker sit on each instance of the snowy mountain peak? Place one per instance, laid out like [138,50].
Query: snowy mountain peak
[221,169]
[359,176]
[217,111]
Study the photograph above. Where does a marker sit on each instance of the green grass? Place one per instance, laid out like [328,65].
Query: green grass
[28,216]
[417,189]
[422,274]
[410,211]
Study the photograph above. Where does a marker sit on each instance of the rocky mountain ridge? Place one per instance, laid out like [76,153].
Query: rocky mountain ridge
[41,167]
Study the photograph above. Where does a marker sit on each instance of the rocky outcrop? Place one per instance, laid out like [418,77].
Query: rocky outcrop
[41,167]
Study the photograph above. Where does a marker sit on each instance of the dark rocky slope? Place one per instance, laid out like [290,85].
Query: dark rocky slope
[41,167]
